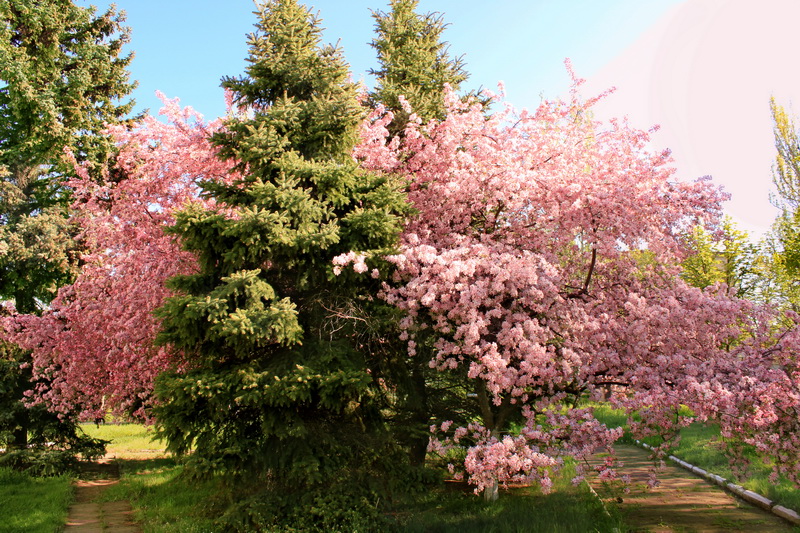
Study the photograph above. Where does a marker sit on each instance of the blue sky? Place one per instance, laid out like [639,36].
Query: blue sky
[183,48]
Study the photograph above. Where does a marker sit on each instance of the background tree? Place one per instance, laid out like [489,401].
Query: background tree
[785,239]
[62,77]
[95,342]
[281,396]
[727,256]
[63,80]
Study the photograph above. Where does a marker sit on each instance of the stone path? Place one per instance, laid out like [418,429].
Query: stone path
[682,503]
[86,515]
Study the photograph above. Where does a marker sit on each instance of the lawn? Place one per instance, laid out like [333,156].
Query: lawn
[128,441]
[18,514]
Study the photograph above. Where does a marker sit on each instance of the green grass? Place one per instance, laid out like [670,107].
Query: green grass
[33,505]
[164,501]
[127,440]
[701,446]
[567,509]
[161,499]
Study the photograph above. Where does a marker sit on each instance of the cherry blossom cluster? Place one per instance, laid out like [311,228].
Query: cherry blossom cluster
[545,260]
[96,342]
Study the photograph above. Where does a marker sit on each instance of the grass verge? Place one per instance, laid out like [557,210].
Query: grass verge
[51,495]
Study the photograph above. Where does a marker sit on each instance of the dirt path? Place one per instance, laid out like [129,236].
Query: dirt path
[683,502]
[88,516]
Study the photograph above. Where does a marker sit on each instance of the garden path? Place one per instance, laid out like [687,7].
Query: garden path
[682,503]
[87,515]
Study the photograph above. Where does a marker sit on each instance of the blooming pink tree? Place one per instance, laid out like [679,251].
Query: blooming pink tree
[543,266]
[95,343]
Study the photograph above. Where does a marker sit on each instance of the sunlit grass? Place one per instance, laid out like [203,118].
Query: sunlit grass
[128,441]
[163,502]
[18,491]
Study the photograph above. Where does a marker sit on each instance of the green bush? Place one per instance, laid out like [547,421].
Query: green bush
[46,460]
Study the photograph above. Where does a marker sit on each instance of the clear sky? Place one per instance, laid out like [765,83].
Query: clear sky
[702,69]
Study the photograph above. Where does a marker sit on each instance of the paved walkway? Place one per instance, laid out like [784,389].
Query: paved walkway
[682,503]
[86,515]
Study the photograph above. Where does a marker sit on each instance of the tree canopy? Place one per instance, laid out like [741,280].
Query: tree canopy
[63,78]
[414,64]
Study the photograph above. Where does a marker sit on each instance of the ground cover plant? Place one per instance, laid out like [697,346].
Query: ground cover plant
[33,504]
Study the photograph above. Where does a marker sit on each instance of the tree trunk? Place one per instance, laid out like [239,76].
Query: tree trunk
[420,416]
[494,418]
[20,441]
[492,492]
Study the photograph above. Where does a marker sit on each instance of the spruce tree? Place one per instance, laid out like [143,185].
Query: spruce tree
[281,390]
[62,78]
[414,63]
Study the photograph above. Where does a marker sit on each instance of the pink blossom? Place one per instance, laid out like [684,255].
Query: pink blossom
[545,257]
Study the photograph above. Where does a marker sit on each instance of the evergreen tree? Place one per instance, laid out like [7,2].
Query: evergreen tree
[62,77]
[62,80]
[282,393]
[414,63]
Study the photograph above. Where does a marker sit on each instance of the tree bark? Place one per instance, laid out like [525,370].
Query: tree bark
[418,447]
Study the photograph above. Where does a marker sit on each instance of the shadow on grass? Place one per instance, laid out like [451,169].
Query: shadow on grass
[454,509]
[166,501]
[145,466]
